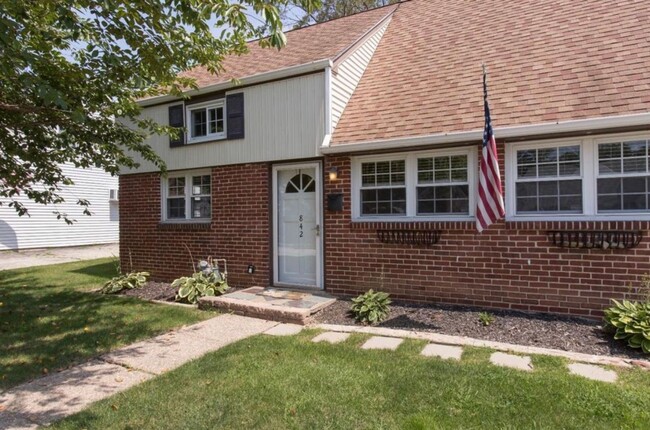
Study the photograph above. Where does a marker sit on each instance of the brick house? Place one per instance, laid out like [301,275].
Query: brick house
[349,159]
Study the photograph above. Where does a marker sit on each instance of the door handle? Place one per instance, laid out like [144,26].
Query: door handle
[317,230]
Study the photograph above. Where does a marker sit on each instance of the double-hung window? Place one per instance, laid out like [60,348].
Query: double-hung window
[589,178]
[548,179]
[418,185]
[206,121]
[623,176]
[187,196]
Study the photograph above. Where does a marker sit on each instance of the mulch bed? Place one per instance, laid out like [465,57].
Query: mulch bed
[153,291]
[541,330]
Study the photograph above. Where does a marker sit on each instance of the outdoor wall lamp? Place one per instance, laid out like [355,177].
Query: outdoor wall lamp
[334,173]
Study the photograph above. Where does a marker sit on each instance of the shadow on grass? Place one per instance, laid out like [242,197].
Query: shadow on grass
[105,270]
[47,323]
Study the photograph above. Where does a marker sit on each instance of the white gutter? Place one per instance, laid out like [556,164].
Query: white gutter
[328,107]
[248,80]
[579,125]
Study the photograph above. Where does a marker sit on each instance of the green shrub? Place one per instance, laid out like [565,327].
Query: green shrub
[125,282]
[200,284]
[486,318]
[371,307]
[631,320]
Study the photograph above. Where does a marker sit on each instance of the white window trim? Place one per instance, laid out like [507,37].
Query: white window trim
[164,191]
[410,159]
[205,105]
[589,175]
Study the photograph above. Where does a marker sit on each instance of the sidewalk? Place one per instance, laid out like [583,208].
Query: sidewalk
[51,398]
[42,257]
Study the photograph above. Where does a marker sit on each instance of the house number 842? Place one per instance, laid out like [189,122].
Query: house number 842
[300,218]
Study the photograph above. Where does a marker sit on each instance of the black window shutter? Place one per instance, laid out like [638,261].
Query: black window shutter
[235,115]
[176,120]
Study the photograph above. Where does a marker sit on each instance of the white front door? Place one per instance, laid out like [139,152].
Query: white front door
[297,235]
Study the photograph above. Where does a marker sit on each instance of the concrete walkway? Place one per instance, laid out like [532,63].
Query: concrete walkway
[56,396]
[42,257]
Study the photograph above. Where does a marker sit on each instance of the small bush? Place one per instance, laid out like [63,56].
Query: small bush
[486,318]
[371,307]
[631,320]
[200,284]
[125,282]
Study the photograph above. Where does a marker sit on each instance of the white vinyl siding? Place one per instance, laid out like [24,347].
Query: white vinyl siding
[348,73]
[284,120]
[428,185]
[42,230]
[590,178]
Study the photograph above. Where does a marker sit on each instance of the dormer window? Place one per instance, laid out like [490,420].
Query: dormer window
[206,121]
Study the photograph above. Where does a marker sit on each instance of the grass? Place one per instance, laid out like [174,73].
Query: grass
[49,320]
[271,382]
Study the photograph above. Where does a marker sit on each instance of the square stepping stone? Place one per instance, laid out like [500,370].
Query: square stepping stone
[331,337]
[590,371]
[284,330]
[381,342]
[512,361]
[442,351]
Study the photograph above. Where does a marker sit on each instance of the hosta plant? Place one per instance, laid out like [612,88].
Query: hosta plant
[125,282]
[200,284]
[371,307]
[631,320]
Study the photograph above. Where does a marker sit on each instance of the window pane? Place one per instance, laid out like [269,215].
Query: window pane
[609,150]
[199,123]
[547,170]
[201,207]
[634,185]
[525,189]
[609,203]
[176,187]
[570,169]
[634,201]
[609,186]
[549,188]
[569,153]
[548,204]
[526,205]
[528,156]
[634,149]
[634,165]
[610,166]
[201,185]
[527,171]
[547,155]
[571,187]
[176,208]
[571,203]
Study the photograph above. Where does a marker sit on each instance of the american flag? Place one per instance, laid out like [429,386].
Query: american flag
[490,193]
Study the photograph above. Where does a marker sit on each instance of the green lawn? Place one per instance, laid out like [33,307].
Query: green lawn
[277,383]
[49,320]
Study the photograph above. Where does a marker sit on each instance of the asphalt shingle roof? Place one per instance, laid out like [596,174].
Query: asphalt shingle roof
[547,62]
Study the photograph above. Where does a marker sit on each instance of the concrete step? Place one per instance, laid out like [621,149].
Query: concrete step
[288,306]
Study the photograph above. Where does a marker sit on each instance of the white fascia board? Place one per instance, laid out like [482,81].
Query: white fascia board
[248,80]
[571,126]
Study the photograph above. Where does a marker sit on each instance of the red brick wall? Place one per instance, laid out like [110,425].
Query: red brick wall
[511,265]
[239,230]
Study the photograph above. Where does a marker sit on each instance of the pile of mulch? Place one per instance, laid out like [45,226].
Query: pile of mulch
[153,291]
[541,330]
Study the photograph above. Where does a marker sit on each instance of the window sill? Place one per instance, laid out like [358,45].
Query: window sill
[184,225]
[209,139]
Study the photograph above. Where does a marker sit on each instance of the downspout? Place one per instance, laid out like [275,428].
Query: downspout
[328,107]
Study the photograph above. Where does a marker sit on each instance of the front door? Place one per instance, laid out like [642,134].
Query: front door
[297,235]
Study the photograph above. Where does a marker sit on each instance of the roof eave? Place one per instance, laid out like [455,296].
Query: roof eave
[260,78]
[520,131]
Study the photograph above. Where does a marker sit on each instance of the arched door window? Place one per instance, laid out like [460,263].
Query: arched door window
[301,182]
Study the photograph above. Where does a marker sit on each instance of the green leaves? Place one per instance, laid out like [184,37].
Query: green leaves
[631,321]
[125,282]
[191,288]
[371,307]
[70,67]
